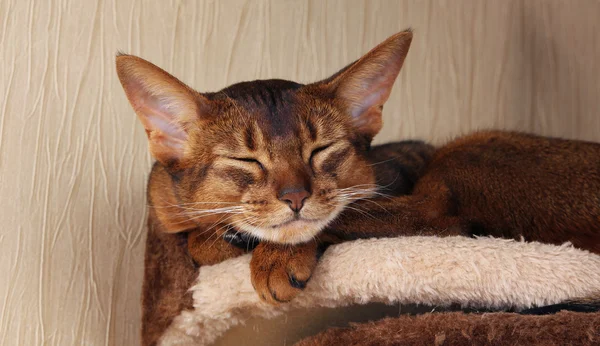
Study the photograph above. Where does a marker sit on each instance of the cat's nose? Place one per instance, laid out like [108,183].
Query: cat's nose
[294,198]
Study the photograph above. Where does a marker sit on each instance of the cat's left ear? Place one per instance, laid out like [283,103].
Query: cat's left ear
[365,85]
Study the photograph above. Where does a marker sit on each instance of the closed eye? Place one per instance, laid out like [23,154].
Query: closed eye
[318,150]
[248,160]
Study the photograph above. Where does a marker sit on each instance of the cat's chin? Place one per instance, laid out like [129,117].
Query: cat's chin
[291,232]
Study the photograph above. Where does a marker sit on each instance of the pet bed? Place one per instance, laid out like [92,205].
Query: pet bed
[184,305]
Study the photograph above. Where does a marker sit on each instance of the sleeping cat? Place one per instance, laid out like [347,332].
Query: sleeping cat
[292,165]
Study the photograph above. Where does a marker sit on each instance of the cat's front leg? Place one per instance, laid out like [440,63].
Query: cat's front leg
[281,271]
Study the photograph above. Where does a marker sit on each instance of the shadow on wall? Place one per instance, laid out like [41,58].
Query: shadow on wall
[561,58]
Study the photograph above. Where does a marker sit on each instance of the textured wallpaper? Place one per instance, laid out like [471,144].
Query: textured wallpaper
[73,159]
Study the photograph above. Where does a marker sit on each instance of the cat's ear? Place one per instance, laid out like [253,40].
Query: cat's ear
[165,106]
[365,85]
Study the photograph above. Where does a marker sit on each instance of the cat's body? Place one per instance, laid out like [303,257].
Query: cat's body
[292,165]
[503,184]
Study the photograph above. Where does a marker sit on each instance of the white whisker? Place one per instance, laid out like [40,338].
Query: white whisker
[384,161]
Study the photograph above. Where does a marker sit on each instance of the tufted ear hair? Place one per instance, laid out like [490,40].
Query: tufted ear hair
[166,107]
[365,85]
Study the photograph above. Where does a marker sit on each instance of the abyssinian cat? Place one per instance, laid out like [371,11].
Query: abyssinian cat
[292,165]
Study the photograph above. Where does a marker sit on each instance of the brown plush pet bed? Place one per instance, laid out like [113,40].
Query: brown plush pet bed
[185,305]
[562,328]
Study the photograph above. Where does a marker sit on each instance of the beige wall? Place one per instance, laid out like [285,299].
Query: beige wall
[73,160]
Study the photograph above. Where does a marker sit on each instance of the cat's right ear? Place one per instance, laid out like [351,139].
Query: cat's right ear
[365,85]
[166,106]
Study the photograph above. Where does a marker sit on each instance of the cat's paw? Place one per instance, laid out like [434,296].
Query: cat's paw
[280,272]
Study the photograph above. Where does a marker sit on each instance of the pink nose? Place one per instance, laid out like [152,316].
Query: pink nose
[295,198]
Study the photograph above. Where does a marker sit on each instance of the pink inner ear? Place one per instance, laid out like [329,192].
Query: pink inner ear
[367,101]
[157,113]
[160,118]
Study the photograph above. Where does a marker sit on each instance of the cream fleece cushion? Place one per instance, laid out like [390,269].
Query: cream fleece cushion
[481,272]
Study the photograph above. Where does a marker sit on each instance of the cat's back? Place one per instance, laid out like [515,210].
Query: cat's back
[520,150]
[498,160]
[514,184]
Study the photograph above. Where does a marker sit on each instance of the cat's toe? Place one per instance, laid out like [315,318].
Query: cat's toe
[281,286]
[300,269]
[301,284]
[278,274]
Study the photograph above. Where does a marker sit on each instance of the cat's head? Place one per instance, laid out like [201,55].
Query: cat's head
[273,158]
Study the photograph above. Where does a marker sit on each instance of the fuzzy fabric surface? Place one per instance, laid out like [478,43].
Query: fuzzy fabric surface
[480,273]
[455,328]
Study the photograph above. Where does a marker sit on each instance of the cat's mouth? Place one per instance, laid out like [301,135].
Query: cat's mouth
[297,220]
